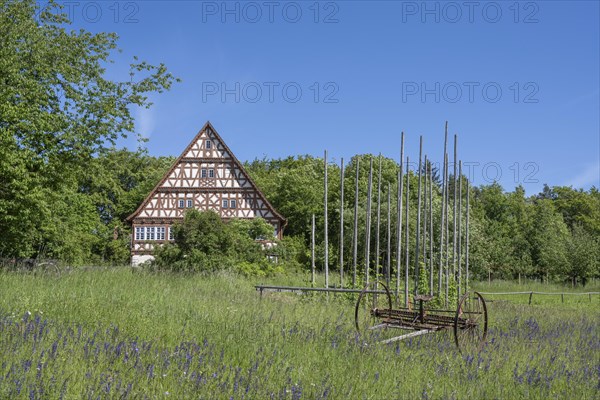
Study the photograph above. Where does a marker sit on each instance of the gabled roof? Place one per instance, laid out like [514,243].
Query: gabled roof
[233,158]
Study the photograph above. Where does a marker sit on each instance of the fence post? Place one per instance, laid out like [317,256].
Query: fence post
[562,297]
[530,296]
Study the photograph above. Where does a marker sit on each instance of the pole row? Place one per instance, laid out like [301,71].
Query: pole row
[452,258]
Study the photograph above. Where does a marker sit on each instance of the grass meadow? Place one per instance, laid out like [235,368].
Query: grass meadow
[117,333]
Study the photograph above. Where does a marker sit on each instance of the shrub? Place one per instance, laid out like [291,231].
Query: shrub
[203,242]
[261,269]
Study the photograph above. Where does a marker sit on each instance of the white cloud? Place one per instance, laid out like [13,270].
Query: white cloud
[588,177]
[145,121]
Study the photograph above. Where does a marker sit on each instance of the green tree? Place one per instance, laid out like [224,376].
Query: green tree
[518,223]
[549,239]
[116,182]
[57,110]
[578,207]
[583,255]
[294,186]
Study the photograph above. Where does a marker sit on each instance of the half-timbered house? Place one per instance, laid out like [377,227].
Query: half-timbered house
[206,176]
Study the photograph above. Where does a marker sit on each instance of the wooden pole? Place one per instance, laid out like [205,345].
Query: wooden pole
[431,237]
[378,222]
[454,204]
[342,222]
[443,216]
[407,236]
[458,283]
[312,251]
[355,233]
[467,241]
[388,260]
[446,256]
[326,233]
[425,211]
[399,217]
[368,232]
[418,228]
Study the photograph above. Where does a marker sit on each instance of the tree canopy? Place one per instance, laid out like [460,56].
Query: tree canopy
[57,112]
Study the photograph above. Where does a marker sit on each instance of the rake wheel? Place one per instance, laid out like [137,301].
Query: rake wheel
[369,301]
[470,323]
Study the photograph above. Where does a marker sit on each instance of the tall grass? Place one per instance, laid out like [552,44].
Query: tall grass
[114,333]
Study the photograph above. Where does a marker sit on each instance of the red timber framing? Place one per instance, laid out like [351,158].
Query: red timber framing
[206,176]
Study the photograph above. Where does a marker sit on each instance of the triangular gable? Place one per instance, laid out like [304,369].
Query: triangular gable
[185,174]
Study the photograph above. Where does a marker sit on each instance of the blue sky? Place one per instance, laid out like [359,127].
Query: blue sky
[518,82]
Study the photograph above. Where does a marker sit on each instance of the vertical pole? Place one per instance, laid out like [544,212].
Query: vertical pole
[326,233]
[425,211]
[407,236]
[378,223]
[342,222]
[446,256]
[443,216]
[467,241]
[454,209]
[431,237]
[388,261]
[368,229]
[458,283]
[355,233]
[418,228]
[399,217]
[312,252]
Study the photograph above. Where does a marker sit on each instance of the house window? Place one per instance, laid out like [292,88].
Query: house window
[171,233]
[139,233]
[225,203]
[211,173]
[181,203]
[203,173]
[190,203]
[232,204]
[208,144]
[150,233]
[160,233]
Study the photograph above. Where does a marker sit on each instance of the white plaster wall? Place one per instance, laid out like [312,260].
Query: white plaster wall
[140,259]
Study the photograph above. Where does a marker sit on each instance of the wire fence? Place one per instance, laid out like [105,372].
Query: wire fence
[267,288]
[531,293]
